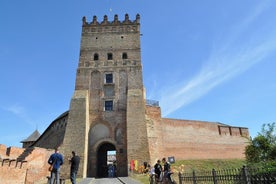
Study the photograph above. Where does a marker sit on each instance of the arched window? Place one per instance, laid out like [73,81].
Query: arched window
[124,56]
[109,56]
[96,57]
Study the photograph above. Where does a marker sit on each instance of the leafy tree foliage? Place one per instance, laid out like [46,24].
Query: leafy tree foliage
[262,149]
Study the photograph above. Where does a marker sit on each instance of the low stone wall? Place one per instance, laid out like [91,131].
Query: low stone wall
[33,170]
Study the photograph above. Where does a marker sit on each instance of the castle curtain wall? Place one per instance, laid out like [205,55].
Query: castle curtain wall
[187,139]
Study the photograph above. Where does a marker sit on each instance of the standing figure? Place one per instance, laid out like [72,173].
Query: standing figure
[75,161]
[56,160]
[167,170]
[158,170]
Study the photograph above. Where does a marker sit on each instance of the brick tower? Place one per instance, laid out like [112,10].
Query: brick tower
[107,110]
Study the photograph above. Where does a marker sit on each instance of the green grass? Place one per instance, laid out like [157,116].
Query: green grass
[196,165]
[208,165]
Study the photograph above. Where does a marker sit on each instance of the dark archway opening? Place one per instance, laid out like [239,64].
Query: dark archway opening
[102,159]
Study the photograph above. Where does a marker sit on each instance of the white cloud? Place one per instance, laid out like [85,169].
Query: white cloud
[231,56]
[16,109]
[20,112]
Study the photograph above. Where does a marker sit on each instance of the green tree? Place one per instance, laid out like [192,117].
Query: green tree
[262,149]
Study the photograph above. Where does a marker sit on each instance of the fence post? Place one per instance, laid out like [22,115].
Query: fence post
[180,178]
[214,174]
[245,175]
[194,177]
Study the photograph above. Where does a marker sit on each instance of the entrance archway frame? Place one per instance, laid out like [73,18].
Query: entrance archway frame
[93,154]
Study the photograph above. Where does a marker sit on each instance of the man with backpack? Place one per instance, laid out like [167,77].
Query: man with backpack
[56,160]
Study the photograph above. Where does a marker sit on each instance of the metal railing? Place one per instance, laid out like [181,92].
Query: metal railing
[242,175]
[152,103]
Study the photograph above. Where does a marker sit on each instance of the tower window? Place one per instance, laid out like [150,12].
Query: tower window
[96,57]
[108,105]
[124,56]
[109,56]
[108,78]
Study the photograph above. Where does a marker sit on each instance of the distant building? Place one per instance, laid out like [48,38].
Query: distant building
[31,139]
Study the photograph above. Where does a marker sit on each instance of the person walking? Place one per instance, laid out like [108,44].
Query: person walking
[75,161]
[55,160]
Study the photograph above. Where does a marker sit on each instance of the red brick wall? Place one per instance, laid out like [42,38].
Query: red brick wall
[14,152]
[9,175]
[38,165]
[33,171]
[188,139]
[3,150]
[200,140]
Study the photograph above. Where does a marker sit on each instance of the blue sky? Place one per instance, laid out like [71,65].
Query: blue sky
[209,60]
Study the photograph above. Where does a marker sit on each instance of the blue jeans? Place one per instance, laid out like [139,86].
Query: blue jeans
[73,175]
[54,175]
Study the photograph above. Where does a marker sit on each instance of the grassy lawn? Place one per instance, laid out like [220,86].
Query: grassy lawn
[207,165]
[197,165]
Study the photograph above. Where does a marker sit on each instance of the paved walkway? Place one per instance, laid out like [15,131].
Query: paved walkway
[86,181]
[120,180]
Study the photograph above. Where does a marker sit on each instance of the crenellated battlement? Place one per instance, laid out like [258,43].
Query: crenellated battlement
[32,169]
[105,21]
[114,26]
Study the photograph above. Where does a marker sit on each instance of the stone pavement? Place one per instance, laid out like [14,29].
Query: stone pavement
[120,180]
[86,181]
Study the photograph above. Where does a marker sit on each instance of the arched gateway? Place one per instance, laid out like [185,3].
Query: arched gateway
[102,159]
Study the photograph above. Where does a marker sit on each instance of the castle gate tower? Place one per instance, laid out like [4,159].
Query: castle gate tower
[107,110]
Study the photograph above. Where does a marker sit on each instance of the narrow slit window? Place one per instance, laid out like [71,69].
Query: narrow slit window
[109,56]
[96,57]
[124,56]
